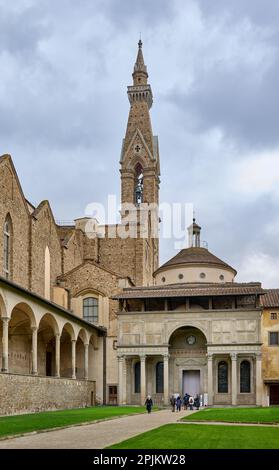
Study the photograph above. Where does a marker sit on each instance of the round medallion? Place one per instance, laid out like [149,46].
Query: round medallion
[191,340]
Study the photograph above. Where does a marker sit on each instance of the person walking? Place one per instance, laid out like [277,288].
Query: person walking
[172,402]
[191,403]
[178,403]
[148,404]
[197,403]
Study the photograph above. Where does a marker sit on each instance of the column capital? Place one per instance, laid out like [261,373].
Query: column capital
[34,328]
[258,356]
[57,335]
[5,319]
[74,341]
[233,356]
[120,357]
[142,357]
[209,356]
[166,356]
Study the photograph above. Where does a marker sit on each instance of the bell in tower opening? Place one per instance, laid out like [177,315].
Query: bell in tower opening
[138,184]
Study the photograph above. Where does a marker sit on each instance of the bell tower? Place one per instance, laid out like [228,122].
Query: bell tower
[140,171]
[140,164]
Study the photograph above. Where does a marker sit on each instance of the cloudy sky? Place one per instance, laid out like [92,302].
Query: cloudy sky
[213,67]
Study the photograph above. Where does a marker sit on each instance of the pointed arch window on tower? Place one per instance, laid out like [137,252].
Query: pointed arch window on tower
[138,184]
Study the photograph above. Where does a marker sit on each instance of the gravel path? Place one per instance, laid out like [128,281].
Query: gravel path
[94,436]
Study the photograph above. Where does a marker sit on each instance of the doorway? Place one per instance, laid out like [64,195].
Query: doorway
[274,394]
[113,394]
[48,363]
[191,382]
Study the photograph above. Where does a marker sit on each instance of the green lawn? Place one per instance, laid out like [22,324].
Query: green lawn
[202,436]
[54,419]
[237,415]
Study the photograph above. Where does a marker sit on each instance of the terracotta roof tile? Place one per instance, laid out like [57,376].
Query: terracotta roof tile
[195,255]
[191,290]
[271,298]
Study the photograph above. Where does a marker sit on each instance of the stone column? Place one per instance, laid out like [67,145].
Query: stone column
[34,370]
[120,379]
[130,379]
[210,379]
[166,379]
[142,379]
[57,355]
[234,378]
[124,381]
[5,345]
[86,361]
[74,359]
[259,384]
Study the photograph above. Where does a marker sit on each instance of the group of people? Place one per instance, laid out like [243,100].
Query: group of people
[188,402]
[176,402]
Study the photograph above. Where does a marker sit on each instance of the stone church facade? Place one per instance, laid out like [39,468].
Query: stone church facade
[88,318]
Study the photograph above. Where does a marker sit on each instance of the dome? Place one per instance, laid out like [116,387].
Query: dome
[194,264]
[196,255]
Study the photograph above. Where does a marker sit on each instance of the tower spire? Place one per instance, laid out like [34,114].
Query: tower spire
[140,163]
[140,74]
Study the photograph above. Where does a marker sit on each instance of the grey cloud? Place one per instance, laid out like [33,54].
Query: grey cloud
[63,107]
[144,12]
[261,12]
[232,102]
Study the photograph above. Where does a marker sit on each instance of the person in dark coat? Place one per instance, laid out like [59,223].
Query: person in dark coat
[172,402]
[186,400]
[148,404]
[178,403]
[197,402]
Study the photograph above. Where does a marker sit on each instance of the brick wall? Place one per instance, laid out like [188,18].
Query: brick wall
[44,233]
[12,202]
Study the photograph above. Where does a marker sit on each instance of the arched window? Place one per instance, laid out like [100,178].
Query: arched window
[7,247]
[223,377]
[159,377]
[90,310]
[138,183]
[245,377]
[47,273]
[137,377]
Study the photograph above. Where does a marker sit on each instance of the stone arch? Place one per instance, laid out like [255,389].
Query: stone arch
[189,324]
[67,337]
[50,318]
[48,329]
[3,309]
[24,307]
[89,290]
[70,330]
[82,340]
[135,160]
[22,319]
[83,335]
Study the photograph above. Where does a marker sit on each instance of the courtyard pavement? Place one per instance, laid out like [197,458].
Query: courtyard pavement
[95,436]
